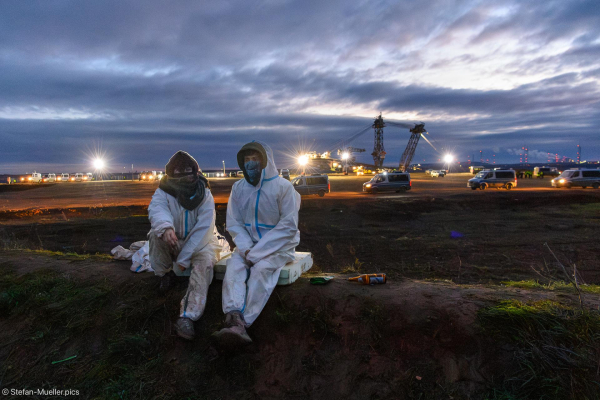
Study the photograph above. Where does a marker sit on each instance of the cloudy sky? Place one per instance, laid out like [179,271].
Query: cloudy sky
[141,79]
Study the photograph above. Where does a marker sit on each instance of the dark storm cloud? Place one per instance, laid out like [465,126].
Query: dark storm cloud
[143,79]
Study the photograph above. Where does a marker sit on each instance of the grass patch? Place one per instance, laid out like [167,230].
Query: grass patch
[557,348]
[555,285]
[70,255]
[353,268]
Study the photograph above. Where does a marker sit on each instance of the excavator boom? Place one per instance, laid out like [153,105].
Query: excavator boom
[409,152]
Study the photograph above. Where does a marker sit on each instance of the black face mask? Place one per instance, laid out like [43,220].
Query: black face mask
[188,189]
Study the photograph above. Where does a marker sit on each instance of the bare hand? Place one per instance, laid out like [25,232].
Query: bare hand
[246,258]
[170,237]
[181,267]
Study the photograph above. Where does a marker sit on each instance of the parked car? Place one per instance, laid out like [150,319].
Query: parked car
[388,181]
[312,184]
[285,173]
[506,179]
[150,176]
[578,177]
[428,172]
[233,174]
[541,172]
[438,174]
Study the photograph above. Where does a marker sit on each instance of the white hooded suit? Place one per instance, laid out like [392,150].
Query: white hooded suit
[198,245]
[264,220]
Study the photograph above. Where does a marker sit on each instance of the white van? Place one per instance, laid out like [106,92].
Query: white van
[79,177]
[578,177]
[64,177]
[506,179]
[35,177]
[51,177]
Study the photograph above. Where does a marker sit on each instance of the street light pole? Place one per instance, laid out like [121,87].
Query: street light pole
[223,167]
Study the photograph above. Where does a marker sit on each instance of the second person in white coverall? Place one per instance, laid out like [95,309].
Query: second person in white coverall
[182,218]
[262,218]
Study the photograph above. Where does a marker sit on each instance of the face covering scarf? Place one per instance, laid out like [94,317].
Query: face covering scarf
[253,171]
[188,190]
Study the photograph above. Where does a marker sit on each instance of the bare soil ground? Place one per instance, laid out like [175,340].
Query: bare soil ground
[426,334]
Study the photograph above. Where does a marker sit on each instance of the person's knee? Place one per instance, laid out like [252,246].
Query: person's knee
[205,258]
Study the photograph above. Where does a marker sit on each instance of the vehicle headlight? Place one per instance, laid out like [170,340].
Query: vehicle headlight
[368,185]
[561,181]
[29,178]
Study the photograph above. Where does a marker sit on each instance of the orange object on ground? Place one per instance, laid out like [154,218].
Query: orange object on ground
[369,279]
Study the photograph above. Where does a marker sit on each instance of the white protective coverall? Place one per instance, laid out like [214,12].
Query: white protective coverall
[198,246]
[264,220]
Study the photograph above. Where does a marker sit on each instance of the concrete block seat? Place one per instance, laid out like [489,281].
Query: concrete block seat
[289,273]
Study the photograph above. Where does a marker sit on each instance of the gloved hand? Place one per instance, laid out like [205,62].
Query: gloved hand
[170,237]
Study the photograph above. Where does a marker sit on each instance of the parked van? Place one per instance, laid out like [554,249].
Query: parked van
[541,172]
[312,184]
[35,177]
[438,174]
[387,182]
[285,173]
[51,177]
[64,177]
[79,177]
[579,178]
[499,178]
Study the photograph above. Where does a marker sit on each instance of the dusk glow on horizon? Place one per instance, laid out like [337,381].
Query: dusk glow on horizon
[209,77]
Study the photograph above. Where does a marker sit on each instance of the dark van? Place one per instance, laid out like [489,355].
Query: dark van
[312,184]
[388,181]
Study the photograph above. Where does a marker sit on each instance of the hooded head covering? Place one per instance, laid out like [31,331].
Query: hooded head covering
[266,159]
[187,187]
[180,161]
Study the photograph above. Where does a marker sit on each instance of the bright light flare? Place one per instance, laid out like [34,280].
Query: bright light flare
[345,155]
[303,160]
[98,163]
[448,158]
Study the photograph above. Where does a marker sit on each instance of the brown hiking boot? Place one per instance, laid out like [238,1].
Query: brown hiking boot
[185,328]
[234,334]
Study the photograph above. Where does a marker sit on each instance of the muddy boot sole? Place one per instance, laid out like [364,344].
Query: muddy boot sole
[227,339]
[182,334]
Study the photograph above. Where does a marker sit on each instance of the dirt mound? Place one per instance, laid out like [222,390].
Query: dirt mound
[405,339]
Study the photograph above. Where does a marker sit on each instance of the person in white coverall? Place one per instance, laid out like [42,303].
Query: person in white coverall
[262,218]
[182,217]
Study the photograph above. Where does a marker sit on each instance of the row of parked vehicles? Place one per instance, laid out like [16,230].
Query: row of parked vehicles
[400,181]
[507,179]
[37,177]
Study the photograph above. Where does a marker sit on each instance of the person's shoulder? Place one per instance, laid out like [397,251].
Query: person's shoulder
[239,184]
[160,193]
[284,183]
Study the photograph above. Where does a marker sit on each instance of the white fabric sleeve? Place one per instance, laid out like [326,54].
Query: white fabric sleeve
[235,225]
[159,213]
[202,233]
[284,232]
